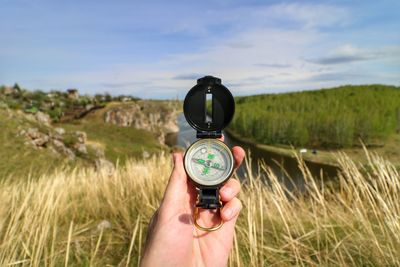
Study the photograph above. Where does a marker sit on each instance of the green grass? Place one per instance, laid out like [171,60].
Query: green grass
[120,143]
[329,118]
[18,159]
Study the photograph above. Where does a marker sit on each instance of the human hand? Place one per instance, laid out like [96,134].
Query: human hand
[172,238]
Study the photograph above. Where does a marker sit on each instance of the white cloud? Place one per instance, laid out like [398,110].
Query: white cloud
[272,48]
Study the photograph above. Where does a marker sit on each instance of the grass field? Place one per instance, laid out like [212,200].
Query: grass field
[88,218]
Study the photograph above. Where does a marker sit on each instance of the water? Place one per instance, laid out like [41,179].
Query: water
[285,168]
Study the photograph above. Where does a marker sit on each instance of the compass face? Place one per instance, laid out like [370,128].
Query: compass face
[209,162]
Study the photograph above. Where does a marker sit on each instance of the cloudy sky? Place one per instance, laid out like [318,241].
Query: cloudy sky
[157,49]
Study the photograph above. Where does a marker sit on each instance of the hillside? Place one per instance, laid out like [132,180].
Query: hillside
[329,118]
[44,131]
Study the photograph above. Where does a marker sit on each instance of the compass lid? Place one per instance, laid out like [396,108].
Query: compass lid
[209,106]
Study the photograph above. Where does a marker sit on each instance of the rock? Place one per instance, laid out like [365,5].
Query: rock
[30,117]
[21,133]
[143,115]
[41,141]
[89,106]
[29,143]
[58,144]
[35,137]
[33,133]
[82,137]
[43,118]
[70,154]
[61,148]
[98,151]
[104,165]
[80,148]
[59,131]
[171,127]
[123,116]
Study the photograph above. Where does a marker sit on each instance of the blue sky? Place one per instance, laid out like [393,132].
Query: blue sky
[157,49]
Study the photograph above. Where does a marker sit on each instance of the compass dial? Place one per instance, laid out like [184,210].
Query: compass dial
[209,162]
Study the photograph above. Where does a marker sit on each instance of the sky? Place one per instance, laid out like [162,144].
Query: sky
[157,49]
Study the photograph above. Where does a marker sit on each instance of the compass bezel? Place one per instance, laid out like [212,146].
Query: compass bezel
[187,161]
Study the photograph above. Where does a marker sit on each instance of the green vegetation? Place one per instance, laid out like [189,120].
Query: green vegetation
[55,103]
[119,143]
[74,113]
[329,118]
[18,159]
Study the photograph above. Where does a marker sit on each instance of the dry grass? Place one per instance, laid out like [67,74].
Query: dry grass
[84,218]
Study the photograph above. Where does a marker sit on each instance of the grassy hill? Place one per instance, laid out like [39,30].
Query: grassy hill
[17,159]
[328,118]
[120,143]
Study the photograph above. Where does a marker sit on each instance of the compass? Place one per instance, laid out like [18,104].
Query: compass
[209,162]
[209,107]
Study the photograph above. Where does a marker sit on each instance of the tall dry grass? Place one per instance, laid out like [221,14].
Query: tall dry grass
[84,218]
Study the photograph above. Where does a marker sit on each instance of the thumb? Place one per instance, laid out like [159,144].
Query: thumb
[177,184]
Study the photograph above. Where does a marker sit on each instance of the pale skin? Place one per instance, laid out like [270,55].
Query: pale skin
[172,238]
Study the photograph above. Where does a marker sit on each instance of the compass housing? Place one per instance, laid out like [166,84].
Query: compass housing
[209,107]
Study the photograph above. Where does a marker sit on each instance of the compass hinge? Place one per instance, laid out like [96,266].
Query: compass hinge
[209,134]
[209,198]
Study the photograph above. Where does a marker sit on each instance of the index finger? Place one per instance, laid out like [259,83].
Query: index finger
[238,155]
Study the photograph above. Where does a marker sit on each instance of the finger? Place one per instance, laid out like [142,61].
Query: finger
[229,190]
[231,209]
[238,155]
[177,183]
[178,171]
[222,138]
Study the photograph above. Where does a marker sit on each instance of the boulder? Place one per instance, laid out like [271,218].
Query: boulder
[98,151]
[81,148]
[82,137]
[59,131]
[104,165]
[32,133]
[41,141]
[42,118]
[62,149]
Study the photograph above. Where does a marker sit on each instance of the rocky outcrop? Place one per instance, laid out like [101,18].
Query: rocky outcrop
[55,141]
[39,117]
[155,117]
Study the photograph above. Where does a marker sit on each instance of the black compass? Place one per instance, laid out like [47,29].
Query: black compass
[209,107]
